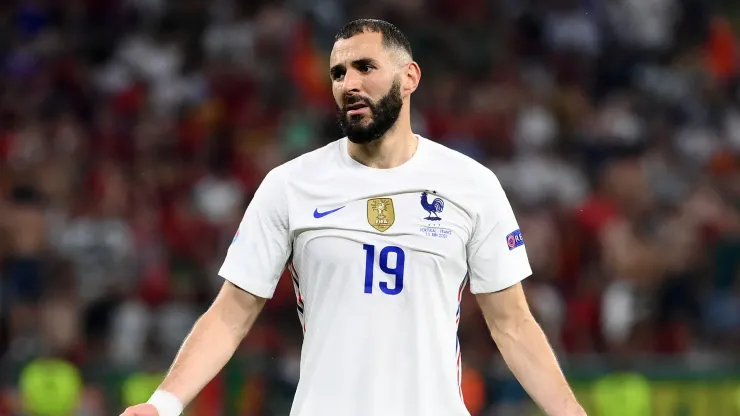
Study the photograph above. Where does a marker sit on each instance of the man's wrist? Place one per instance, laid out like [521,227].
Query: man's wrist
[166,403]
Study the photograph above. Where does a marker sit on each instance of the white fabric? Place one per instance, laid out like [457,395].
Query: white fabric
[166,403]
[375,345]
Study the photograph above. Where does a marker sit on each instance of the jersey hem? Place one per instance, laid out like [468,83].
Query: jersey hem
[480,289]
[261,291]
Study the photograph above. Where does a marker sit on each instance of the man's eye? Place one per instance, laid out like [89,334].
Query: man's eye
[365,68]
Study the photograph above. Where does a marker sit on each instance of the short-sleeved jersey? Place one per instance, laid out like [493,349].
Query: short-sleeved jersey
[379,259]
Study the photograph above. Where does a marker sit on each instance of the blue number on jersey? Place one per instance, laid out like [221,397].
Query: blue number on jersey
[396,270]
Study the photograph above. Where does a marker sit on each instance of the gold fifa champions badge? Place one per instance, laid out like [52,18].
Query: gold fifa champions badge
[380,213]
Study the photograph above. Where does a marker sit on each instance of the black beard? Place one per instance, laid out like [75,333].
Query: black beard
[384,115]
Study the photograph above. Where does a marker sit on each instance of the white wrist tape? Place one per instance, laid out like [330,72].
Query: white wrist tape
[166,403]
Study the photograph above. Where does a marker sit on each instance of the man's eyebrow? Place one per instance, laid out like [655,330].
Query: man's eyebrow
[357,62]
[363,61]
[336,68]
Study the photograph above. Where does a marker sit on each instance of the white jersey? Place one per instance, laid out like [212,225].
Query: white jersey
[379,259]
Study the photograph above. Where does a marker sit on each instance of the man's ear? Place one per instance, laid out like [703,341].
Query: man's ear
[411,78]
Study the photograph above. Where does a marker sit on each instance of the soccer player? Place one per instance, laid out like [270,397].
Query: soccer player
[381,231]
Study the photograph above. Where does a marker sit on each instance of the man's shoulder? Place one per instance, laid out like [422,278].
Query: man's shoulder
[452,161]
[320,158]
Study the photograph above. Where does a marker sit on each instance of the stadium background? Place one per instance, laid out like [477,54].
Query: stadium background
[133,134]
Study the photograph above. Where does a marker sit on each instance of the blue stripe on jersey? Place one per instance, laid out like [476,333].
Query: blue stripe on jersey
[458,353]
[295,280]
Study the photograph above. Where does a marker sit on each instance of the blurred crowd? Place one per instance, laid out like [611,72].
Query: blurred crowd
[134,132]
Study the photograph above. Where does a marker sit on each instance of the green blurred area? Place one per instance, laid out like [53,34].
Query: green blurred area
[698,397]
[51,385]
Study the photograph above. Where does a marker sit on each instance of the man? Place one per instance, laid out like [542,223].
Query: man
[381,231]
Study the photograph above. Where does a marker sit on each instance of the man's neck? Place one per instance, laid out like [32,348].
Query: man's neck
[394,149]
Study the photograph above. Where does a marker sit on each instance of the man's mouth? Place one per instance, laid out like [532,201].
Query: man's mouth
[357,108]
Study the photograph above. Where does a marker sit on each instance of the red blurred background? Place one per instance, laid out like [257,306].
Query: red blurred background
[133,134]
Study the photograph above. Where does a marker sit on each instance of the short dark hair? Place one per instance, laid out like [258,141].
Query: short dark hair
[392,36]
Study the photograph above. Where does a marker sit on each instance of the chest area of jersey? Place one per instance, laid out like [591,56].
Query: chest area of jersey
[423,221]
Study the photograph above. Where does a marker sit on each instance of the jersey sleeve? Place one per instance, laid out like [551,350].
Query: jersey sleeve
[497,258]
[258,254]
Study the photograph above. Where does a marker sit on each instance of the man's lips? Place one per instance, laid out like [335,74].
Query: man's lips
[357,109]
[357,106]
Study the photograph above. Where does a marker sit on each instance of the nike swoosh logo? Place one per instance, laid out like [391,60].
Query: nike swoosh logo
[317,214]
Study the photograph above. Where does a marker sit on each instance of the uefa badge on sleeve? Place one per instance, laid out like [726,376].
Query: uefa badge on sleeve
[514,240]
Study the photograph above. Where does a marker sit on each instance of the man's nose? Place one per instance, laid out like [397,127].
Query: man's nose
[352,82]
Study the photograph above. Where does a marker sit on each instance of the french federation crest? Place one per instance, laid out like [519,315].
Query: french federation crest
[434,208]
[380,213]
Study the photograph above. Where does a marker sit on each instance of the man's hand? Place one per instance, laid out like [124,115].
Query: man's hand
[141,410]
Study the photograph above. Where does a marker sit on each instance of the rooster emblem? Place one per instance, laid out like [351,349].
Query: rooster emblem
[433,208]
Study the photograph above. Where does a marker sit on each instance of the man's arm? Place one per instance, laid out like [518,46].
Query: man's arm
[212,341]
[205,351]
[252,268]
[526,350]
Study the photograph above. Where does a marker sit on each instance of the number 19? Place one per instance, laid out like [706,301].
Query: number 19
[396,270]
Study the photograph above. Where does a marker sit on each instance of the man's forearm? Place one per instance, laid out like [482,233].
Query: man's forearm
[205,351]
[530,357]
[212,342]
